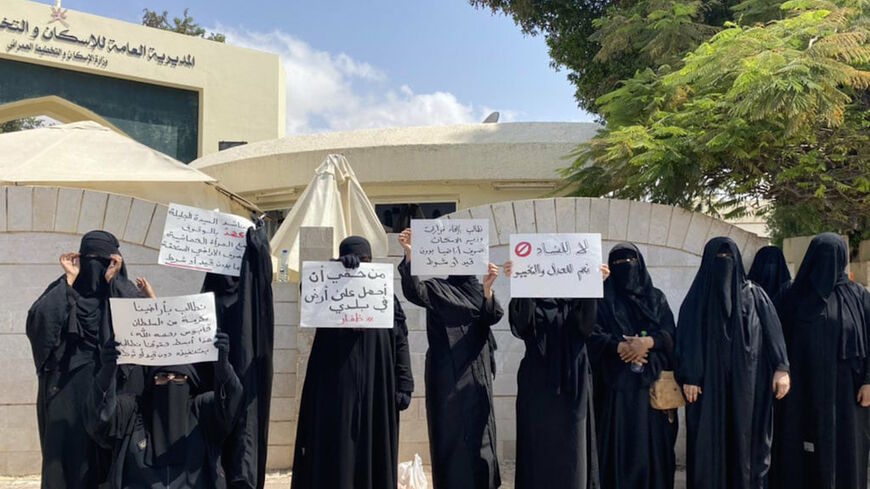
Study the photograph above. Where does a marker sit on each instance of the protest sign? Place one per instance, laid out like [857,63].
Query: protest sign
[556,265]
[449,247]
[199,239]
[165,331]
[337,297]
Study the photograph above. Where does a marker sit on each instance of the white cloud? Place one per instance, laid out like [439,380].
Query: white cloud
[327,92]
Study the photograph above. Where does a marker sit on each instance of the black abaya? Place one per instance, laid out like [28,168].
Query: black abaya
[555,419]
[246,313]
[459,374]
[636,442]
[729,342]
[821,438]
[347,435]
[66,326]
[770,271]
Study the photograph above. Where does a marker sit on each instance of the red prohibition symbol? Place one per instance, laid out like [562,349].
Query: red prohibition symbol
[523,249]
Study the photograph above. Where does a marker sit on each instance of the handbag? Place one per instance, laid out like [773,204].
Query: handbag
[665,394]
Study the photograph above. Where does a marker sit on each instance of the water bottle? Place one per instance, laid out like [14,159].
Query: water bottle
[283,273]
[638,367]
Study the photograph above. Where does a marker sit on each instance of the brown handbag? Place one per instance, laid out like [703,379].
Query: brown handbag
[665,394]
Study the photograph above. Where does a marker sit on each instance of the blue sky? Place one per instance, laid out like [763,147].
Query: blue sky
[375,63]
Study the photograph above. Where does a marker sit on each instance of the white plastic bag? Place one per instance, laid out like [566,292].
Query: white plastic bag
[411,474]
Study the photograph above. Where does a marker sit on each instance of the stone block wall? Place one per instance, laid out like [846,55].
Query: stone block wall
[38,224]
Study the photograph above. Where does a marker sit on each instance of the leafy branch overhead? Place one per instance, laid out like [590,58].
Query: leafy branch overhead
[764,112]
[182,25]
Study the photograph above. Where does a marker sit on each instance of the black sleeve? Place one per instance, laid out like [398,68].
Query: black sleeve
[865,303]
[415,291]
[404,376]
[774,342]
[583,313]
[491,311]
[664,336]
[601,342]
[521,316]
[108,414]
[47,318]
[219,408]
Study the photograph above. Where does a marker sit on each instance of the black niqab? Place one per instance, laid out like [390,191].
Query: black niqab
[821,431]
[770,271]
[170,414]
[635,442]
[729,342]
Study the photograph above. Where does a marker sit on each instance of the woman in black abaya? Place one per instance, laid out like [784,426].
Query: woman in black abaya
[356,383]
[731,361]
[66,327]
[459,374]
[821,439]
[555,419]
[770,271]
[635,327]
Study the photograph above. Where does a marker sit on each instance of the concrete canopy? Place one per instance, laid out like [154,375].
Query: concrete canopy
[435,160]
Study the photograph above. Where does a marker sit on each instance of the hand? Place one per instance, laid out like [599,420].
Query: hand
[70,264]
[508,268]
[349,261]
[222,343]
[114,267]
[782,384]
[405,241]
[403,400]
[628,355]
[640,345]
[145,287]
[491,275]
[692,392]
[864,395]
[605,272]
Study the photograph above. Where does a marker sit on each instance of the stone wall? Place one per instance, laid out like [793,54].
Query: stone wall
[38,224]
[672,241]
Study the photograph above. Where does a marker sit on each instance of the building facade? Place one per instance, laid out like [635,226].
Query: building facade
[184,96]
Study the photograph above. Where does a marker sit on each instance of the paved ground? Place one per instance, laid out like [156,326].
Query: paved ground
[282,480]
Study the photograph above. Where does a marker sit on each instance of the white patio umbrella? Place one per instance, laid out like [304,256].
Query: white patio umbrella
[90,156]
[334,198]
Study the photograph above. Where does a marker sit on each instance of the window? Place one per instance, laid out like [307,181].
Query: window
[396,217]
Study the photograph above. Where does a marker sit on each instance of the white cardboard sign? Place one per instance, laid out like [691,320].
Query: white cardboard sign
[556,265]
[203,240]
[449,247]
[165,331]
[336,297]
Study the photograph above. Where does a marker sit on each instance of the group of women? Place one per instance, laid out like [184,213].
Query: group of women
[102,425]
[774,374]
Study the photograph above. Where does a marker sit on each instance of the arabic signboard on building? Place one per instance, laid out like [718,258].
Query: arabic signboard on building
[54,37]
[336,297]
[449,247]
[556,265]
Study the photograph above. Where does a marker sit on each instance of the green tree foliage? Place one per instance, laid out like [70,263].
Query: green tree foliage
[602,42]
[21,124]
[184,25]
[766,116]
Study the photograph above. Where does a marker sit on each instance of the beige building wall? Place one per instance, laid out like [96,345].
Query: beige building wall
[241,91]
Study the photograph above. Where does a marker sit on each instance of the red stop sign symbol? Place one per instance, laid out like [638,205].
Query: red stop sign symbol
[523,249]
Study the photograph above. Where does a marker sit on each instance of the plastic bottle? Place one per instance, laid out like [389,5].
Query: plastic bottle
[638,367]
[283,273]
